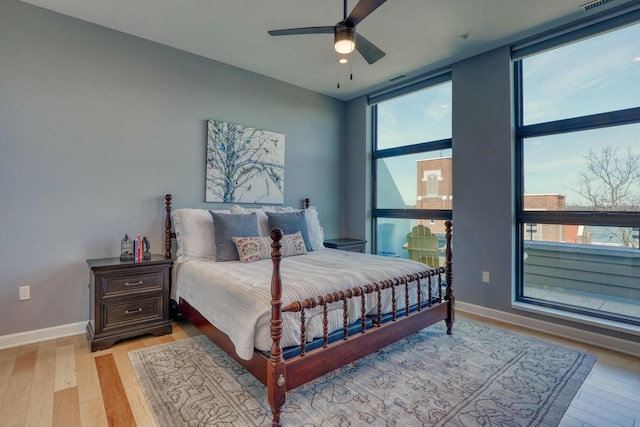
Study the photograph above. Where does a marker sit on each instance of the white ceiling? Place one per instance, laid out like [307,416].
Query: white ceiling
[417,35]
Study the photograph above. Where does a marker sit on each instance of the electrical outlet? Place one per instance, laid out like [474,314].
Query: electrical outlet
[25,292]
[485,277]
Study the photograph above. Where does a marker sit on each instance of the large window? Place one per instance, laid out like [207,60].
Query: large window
[578,162]
[412,169]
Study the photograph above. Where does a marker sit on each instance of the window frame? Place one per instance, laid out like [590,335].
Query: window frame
[443,76]
[574,124]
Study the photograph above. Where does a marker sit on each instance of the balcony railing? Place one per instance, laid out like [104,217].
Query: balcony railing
[582,275]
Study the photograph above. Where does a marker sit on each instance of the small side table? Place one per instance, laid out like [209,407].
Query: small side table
[352,245]
[128,299]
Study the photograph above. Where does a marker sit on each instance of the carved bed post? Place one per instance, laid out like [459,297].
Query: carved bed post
[276,380]
[451,313]
[167,226]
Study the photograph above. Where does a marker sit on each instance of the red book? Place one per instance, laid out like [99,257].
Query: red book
[139,249]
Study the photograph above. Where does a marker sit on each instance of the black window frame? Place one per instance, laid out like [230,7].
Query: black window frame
[574,124]
[442,76]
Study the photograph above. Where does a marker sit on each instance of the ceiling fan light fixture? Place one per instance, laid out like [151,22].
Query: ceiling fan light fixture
[344,39]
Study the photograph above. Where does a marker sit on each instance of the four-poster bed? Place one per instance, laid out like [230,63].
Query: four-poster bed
[320,330]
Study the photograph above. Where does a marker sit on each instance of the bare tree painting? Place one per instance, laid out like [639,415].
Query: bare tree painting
[244,165]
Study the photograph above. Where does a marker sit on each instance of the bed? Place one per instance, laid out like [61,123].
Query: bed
[289,310]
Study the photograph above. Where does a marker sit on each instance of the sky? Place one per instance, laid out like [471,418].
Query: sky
[592,76]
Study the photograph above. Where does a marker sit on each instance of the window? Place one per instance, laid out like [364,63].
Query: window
[412,166]
[578,163]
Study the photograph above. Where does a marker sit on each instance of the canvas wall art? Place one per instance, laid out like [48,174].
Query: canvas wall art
[244,165]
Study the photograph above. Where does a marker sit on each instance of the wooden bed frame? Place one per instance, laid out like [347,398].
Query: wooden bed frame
[280,375]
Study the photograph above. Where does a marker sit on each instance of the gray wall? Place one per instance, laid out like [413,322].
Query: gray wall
[357,171]
[483,206]
[96,126]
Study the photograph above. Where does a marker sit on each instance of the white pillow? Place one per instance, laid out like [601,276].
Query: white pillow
[316,233]
[194,233]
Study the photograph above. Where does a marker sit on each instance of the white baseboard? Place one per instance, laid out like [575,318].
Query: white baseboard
[22,338]
[600,340]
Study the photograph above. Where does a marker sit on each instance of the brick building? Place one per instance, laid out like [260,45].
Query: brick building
[435,191]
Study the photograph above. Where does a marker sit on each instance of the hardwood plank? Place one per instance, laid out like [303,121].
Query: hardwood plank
[7,362]
[14,407]
[113,393]
[25,362]
[179,333]
[610,394]
[28,348]
[623,386]
[41,397]
[66,408]
[153,341]
[92,413]
[606,404]
[64,341]
[45,361]
[65,367]
[589,419]
[606,413]
[137,400]
[569,421]
[86,373]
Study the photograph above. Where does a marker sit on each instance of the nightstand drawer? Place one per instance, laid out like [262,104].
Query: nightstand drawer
[127,312]
[128,299]
[131,283]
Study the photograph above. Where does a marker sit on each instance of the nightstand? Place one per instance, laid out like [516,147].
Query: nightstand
[128,299]
[353,245]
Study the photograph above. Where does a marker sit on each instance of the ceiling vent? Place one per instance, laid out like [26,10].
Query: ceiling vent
[593,4]
[398,77]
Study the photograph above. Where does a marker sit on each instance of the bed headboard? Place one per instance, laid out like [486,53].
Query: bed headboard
[168,234]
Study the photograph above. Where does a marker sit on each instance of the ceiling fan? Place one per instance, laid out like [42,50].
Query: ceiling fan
[344,32]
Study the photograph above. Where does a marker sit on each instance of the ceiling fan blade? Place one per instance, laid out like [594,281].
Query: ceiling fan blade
[370,52]
[303,30]
[363,9]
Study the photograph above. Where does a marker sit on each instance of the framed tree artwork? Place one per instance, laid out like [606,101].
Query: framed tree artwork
[244,165]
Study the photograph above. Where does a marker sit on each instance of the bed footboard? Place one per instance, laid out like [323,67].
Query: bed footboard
[285,375]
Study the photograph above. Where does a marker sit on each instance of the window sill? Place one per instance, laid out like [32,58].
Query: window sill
[578,318]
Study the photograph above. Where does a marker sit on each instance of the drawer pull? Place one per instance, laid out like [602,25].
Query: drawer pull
[137,310]
[139,282]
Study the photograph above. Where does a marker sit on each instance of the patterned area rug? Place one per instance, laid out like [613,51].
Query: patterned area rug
[480,376]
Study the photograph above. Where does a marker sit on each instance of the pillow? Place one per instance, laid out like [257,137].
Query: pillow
[289,223]
[229,225]
[194,233]
[255,248]
[316,233]
[263,221]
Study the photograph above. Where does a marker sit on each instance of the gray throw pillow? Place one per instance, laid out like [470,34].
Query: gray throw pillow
[289,223]
[227,226]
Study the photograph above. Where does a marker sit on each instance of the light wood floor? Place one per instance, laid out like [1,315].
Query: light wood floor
[61,383]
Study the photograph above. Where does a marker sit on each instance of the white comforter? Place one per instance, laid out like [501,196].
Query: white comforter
[236,297]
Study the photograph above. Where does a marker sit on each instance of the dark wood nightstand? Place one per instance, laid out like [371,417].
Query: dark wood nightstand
[353,245]
[128,299]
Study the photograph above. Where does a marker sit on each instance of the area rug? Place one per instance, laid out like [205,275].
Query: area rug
[479,376]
